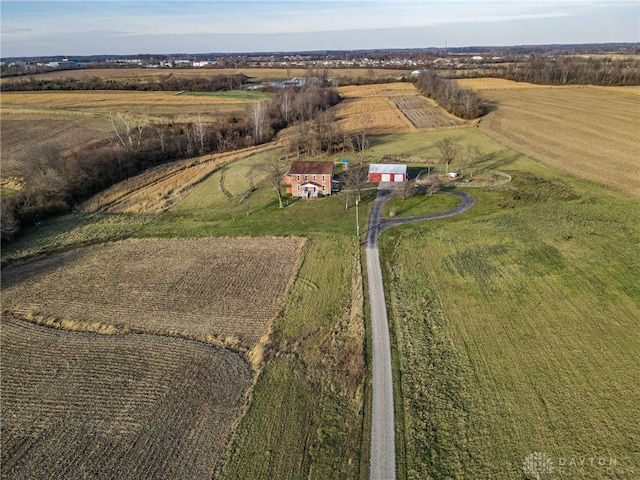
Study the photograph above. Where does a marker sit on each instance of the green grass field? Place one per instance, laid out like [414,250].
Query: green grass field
[226,204]
[305,417]
[516,331]
[419,204]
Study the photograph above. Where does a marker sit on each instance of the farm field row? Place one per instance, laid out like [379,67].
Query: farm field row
[389,108]
[590,133]
[422,114]
[256,75]
[81,405]
[131,285]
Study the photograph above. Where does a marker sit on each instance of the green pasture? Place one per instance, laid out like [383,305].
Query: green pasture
[516,331]
[237,200]
[419,204]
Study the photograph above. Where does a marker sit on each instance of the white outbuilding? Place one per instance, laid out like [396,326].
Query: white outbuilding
[382,172]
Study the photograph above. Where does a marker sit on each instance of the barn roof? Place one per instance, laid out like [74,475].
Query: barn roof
[311,168]
[387,168]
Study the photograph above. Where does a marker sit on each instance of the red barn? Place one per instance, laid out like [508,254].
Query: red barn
[380,172]
[309,179]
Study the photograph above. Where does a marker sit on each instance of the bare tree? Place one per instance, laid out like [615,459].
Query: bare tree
[360,139]
[258,114]
[408,189]
[128,129]
[200,132]
[274,168]
[448,151]
[432,185]
[468,157]
[355,178]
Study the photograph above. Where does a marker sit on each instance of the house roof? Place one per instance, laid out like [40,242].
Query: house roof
[387,168]
[311,168]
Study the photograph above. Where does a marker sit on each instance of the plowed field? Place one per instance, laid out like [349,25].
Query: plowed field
[591,133]
[389,108]
[423,114]
[199,288]
[133,382]
[81,405]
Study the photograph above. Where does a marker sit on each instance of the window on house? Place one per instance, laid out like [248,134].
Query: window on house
[314,178]
[298,178]
[323,188]
[306,178]
[323,178]
[298,187]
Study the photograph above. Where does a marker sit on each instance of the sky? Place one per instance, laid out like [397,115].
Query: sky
[128,27]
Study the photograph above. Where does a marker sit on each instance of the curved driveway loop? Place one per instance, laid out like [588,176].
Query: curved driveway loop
[383,451]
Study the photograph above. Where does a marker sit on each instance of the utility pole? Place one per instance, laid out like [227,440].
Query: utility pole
[357,222]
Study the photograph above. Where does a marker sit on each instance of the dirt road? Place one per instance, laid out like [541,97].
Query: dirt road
[383,452]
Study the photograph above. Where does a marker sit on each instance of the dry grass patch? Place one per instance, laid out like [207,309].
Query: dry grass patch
[156,190]
[587,132]
[81,405]
[213,289]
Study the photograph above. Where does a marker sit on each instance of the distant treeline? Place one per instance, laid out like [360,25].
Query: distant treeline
[56,180]
[170,82]
[550,70]
[461,102]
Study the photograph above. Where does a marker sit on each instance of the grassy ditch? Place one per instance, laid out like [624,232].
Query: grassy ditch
[514,328]
[305,416]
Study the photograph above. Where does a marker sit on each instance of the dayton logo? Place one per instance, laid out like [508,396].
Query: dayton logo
[536,464]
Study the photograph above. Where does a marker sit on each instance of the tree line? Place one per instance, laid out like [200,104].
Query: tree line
[170,82]
[461,102]
[572,70]
[56,180]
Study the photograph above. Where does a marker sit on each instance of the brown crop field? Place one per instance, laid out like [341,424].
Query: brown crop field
[83,405]
[212,289]
[71,119]
[591,133]
[132,381]
[156,190]
[390,108]
[370,107]
[425,114]
[255,74]
[32,129]
[151,104]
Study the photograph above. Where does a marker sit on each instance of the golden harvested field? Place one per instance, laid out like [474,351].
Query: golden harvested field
[156,190]
[152,104]
[82,405]
[256,74]
[481,84]
[591,133]
[387,109]
[32,129]
[212,289]
[71,119]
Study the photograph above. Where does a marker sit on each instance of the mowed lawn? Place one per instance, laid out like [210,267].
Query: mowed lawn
[516,331]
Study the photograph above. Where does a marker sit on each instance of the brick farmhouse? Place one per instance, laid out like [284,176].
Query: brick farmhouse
[309,179]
